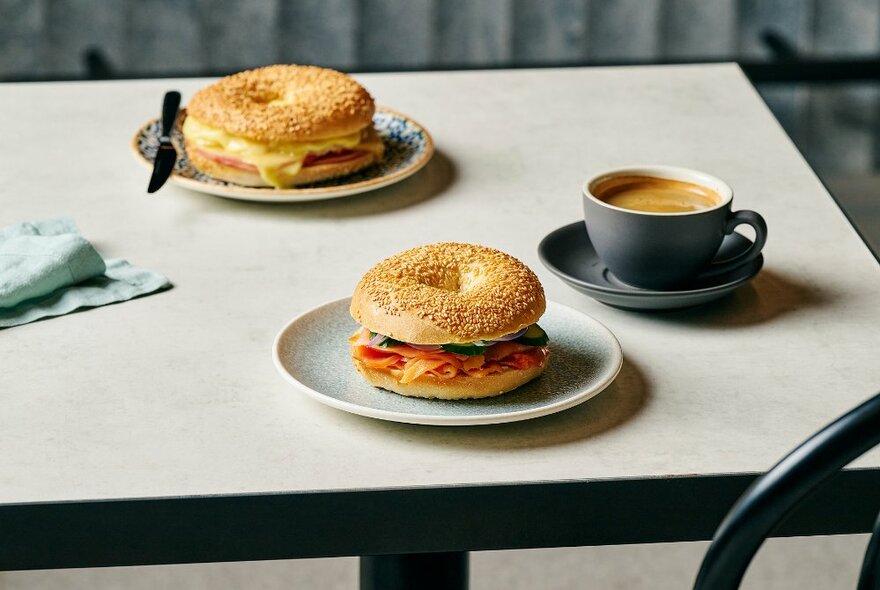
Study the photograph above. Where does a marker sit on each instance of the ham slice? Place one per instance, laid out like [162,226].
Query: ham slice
[335,157]
[230,161]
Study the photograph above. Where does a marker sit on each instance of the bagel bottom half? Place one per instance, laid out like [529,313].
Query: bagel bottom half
[459,387]
[306,175]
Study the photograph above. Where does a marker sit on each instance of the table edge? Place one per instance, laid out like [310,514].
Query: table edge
[471,517]
[849,218]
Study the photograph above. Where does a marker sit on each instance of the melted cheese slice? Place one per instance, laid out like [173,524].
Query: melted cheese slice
[277,163]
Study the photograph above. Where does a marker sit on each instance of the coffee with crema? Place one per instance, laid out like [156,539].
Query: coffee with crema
[655,195]
[660,227]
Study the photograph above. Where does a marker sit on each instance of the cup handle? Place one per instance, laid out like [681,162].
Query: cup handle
[734,219]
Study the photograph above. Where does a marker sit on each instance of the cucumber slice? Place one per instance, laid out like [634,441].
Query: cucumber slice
[465,349]
[534,336]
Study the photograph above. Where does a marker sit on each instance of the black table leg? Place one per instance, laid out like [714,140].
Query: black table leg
[415,571]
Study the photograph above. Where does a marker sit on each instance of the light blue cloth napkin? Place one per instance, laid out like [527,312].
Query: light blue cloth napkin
[48,269]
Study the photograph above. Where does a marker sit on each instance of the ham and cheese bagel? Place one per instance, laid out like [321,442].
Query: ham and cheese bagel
[281,126]
[449,321]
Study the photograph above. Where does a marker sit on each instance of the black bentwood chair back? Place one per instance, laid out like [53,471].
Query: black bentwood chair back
[774,494]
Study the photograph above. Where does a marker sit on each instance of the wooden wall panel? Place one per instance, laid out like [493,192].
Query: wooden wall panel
[22,28]
[74,26]
[546,31]
[239,34]
[320,32]
[397,33]
[164,37]
[624,30]
[843,121]
[698,28]
[474,33]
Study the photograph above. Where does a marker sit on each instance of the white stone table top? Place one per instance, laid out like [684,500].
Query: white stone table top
[175,394]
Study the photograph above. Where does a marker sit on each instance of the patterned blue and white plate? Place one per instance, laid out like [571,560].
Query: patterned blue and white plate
[311,353]
[408,147]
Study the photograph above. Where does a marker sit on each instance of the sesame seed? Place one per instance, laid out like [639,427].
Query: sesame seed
[315,103]
[465,289]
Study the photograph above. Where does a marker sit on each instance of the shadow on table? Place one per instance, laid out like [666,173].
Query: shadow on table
[769,296]
[435,178]
[620,402]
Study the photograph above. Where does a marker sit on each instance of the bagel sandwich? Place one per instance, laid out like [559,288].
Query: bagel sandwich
[281,126]
[449,321]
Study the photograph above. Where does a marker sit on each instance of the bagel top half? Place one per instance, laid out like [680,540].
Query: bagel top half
[284,104]
[448,293]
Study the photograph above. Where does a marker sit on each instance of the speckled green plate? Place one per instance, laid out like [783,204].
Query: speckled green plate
[311,353]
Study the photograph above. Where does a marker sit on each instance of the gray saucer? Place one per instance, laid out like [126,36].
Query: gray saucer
[568,253]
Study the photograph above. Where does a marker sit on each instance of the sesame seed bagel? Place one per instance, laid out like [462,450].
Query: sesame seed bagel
[284,104]
[460,387]
[448,293]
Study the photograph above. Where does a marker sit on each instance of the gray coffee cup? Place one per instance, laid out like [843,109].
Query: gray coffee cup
[665,250]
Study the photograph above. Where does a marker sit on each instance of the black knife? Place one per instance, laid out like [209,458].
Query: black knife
[166,155]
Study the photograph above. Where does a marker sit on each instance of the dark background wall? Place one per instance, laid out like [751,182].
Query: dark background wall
[46,39]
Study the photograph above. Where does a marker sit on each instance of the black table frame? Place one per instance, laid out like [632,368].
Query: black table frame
[423,520]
